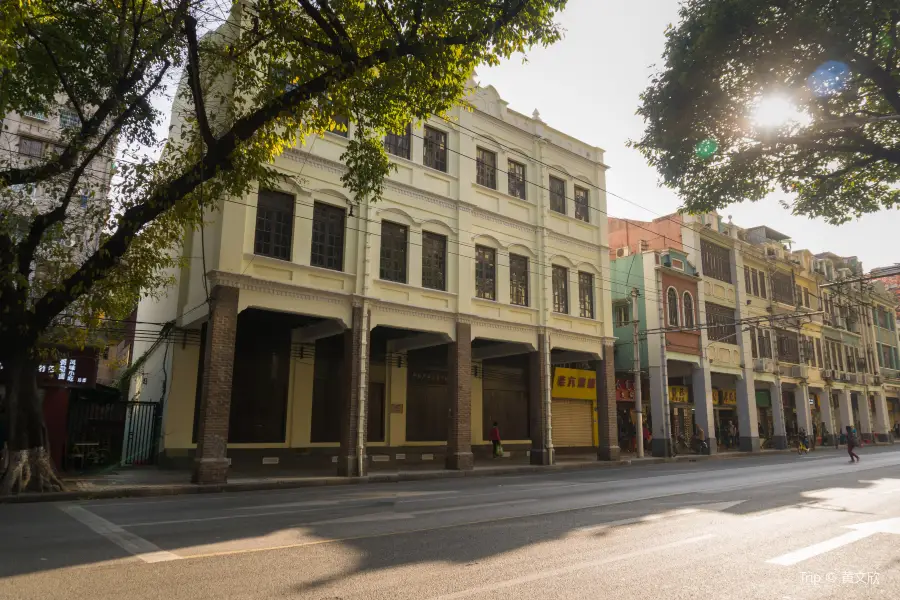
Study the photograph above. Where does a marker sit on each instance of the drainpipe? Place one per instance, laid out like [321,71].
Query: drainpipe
[547,393]
[362,391]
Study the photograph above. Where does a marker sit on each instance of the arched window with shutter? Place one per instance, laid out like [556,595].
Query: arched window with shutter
[687,304]
[672,302]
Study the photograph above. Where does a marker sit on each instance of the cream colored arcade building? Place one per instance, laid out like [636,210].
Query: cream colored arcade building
[344,335]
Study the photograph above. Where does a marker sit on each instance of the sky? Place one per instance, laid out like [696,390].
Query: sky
[587,85]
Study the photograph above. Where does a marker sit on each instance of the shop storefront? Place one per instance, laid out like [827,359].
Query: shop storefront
[815,411]
[626,416]
[790,412]
[725,411]
[764,413]
[573,408]
[894,414]
[682,411]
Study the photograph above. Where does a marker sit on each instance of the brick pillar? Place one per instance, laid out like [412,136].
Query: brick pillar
[779,440]
[865,417]
[355,378]
[608,448]
[882,425]
[459,383]
[538,403]
[210,464]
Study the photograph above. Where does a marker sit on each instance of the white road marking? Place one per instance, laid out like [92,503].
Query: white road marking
[862,531]
[397,516]
[547,574]
[433,511]
[220,518]
[129,542]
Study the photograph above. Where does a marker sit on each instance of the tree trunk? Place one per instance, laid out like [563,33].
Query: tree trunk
[27,466]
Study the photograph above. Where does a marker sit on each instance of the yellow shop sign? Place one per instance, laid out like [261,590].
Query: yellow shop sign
[577,384]
[678,394]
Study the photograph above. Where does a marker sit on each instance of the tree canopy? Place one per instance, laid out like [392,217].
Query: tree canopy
[797,95]
[264,77]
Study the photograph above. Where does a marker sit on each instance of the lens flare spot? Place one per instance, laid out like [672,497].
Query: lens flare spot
[830,78]
[706,148]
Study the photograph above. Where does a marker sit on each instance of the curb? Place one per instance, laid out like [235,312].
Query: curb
[285,484]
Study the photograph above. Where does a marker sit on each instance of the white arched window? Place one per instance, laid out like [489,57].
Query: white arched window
[672,305]
[687,304]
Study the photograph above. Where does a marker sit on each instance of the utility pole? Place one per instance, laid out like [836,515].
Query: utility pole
[639,417]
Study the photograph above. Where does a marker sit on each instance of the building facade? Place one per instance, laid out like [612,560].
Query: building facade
[788,340]
[347,333]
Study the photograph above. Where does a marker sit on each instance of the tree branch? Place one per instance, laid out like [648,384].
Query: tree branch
[390,20]
[219,157]
[63,80]
[316,16]
[27,247]
[335,21]
[193,73]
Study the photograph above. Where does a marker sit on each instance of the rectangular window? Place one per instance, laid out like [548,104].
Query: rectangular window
[767,341]
[782,288]
[486,168]
[30,147]
[327,237]
[747,285]
[716,261]
[582,205]
[516,179]
[754,351]
[340,126]
[720,322]
[485,272]
[518,280]
[557,195]
[434,261]
[68,119]
[819,357]
[762,285]
[394,238]
[788,346]
[622,318]
[435,149]
[560,289]
[399,144]
[754,279]
[806,297]
[586,294]
[274,224]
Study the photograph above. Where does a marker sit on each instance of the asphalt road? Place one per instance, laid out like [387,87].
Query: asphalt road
[779,527]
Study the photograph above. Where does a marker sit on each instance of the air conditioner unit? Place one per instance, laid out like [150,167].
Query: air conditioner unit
[623,252]
[800,371]
[828,373]
[840,323]
[877,380]
[827,318]
[666,260]
[845,377]
[759,365]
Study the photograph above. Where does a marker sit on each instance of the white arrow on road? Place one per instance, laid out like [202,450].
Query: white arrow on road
[861,532]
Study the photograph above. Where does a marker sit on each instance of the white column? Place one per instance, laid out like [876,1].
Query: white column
[804,416]
[846,409]
[865,418]
[827,415]
[780,435]
[658,409]
[703,406]
[882,425]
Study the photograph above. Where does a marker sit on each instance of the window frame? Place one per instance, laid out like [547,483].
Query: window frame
[429,270]
[677,308]
[395,143]
[512,175]
[586,302]
[270,212]
[560,296]
[684,311]
[716,261]
[555,197]
[482,278]
[324,209]
[40,144]
[437,148]
[393,264]
[721,331]
[514,286]
[585,206]
[485,172]
[340,119]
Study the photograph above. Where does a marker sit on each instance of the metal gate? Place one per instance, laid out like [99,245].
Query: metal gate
[105,431]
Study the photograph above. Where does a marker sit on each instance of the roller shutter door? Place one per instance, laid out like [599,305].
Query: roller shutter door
[571,421]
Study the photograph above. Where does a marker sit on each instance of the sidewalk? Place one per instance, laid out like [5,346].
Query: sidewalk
[149,481]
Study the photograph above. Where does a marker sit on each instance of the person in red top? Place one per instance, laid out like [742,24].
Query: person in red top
[495,439]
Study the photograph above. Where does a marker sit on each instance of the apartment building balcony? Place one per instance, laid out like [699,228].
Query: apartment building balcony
[891,374]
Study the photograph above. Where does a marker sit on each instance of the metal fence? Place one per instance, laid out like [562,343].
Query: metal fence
[105,431]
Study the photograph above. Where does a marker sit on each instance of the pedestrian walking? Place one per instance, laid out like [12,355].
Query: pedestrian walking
[495,440]
[852,442]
